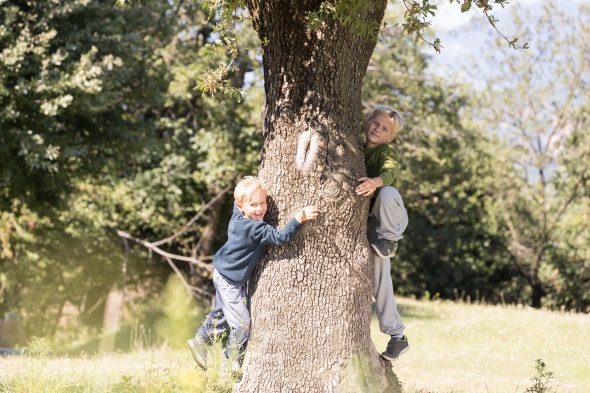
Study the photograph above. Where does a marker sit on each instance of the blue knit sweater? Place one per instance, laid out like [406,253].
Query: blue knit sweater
[246,239]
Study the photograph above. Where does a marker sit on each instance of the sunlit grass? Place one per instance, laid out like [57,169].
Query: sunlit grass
[476,348]
[161,370]
[455,347]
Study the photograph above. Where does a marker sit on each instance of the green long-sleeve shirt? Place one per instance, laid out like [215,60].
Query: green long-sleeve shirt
[380,161]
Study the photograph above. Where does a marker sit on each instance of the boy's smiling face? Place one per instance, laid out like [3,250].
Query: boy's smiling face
[380,129]
[255,207]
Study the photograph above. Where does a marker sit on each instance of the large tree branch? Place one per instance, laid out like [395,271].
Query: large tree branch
[520,269]
[191,289]
[571,198]
[165,254]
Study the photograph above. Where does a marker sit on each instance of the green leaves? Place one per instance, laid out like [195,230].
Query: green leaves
[228,17]
[350,13]
[101,129]
[539,187]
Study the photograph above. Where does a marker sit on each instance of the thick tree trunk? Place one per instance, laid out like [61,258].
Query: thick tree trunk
[311,299]
[538,292]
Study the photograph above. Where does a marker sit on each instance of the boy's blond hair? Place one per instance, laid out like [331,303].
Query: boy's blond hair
[246,187]
[389,111]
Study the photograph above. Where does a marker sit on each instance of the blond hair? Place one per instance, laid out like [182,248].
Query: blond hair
[246,187]
[389,111]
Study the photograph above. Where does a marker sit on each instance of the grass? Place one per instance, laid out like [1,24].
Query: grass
[468,348]
[161,370]
[455,347]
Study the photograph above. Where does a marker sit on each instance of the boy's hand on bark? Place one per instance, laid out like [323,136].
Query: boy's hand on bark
[307,213]
[368,185]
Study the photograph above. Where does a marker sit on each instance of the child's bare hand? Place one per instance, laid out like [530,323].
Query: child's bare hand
[368,186]
[307,213]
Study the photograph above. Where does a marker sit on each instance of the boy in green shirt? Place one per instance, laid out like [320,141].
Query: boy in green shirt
[387,221]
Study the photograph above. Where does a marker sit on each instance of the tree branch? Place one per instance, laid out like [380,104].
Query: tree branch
[165,254]
[569,201]
[190,288]
[192,220]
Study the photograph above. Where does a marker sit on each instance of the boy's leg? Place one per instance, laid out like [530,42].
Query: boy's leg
[233,302]
[390,322]
[389,209]
[214,326]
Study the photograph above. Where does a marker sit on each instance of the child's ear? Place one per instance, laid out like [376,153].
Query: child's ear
[239,206]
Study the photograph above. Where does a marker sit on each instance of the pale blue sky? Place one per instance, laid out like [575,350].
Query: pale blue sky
[461,38]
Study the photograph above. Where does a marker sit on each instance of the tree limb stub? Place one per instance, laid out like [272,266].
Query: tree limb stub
[307,150]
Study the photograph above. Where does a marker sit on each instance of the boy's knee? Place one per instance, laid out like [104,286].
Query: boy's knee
[389,192]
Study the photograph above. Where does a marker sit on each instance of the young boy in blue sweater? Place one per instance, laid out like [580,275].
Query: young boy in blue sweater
[234,263]
[387,220]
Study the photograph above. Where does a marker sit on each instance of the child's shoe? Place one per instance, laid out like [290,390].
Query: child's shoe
[199,350]
[381,247]
[384,248]
[395,348]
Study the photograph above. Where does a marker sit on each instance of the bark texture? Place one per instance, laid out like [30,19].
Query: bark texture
[311,302]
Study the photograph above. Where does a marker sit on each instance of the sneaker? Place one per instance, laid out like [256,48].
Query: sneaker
[395,348]
[384,248]
[198,349]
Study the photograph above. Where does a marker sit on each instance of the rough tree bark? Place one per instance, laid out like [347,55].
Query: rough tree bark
[311,301]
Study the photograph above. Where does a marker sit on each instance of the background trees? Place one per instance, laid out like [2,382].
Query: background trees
[135,147]
[100,128]
[536,102]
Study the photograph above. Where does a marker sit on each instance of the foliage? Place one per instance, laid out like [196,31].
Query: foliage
[71,89]
[536,101]
[181,316]
[153,151]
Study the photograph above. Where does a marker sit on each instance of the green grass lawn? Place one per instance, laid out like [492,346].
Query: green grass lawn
[455,347]
[475,348]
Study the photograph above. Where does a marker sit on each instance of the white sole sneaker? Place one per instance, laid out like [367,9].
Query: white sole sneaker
[201,362]
[376,251]
[385,355]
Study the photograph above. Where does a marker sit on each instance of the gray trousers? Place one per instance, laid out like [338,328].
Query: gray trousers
[390,211]
[393,219]
[230,313]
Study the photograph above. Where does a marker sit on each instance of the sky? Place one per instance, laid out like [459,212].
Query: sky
[450,18]
[460,38]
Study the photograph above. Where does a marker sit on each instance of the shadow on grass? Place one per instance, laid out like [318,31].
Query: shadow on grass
[416,312]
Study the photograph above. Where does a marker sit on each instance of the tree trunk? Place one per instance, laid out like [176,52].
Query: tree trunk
[311,299]
[538,290]
[537,295]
